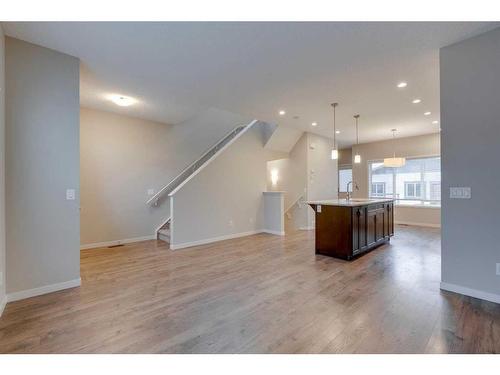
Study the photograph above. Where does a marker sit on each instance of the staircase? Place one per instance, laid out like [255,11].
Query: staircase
[164,232]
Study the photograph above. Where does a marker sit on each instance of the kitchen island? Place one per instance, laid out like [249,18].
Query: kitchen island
[348,228]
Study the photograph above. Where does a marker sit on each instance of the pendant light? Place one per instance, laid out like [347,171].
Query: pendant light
[394,162]
[357,157]
[335,152]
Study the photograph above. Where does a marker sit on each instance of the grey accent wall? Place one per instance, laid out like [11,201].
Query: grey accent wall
[42,161]
[470,119]
[2,170]
[123,157]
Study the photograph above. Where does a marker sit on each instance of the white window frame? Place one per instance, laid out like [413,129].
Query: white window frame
[376,194]
[342,167]
[414,184]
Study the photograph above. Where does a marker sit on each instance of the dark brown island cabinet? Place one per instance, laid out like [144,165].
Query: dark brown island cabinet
[348,228]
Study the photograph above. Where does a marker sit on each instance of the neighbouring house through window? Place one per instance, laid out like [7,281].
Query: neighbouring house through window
[418,182]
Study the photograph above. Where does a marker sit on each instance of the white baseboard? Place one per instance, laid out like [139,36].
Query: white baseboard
[491,297]
[213,239]
[16,296]
[116,242]
[306,228]
[428,225]
[3,302]
[276,232]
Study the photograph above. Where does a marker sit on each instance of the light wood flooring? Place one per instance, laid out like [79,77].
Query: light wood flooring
[258,294]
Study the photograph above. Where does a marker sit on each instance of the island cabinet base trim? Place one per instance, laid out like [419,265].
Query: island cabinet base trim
[356,254]
[491,297]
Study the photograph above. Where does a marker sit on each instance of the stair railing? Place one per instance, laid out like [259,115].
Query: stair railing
[190,169]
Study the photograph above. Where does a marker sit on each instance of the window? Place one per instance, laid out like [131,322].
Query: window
[413,190]
[345,175]
[418,182]
[378,189]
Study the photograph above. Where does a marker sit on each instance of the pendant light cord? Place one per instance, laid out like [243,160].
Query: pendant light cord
[357,133]
[334,105]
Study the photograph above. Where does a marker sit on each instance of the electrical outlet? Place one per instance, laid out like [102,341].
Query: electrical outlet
[70,194]
[498,269]
[231,223]
[460,192]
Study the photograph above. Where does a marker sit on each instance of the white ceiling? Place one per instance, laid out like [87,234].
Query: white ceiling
[255,69]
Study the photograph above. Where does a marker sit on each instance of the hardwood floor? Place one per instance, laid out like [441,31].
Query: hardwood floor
[258,294]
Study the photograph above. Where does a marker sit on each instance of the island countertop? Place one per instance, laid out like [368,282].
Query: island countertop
[349,203]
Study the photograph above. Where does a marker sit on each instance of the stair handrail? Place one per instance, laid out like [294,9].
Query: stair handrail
[193,165]
[298,202]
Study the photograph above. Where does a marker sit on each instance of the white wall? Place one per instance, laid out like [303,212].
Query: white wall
[470,97]
[423,145]
[42,161]
[309,172]
[2,171]
[224,199]
[122,157]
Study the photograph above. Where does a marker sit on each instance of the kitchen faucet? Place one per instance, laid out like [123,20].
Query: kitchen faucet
[348,192]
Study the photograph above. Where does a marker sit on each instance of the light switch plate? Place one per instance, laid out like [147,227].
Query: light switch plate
[318,208]
[70,194]
[498,269]
[460,192]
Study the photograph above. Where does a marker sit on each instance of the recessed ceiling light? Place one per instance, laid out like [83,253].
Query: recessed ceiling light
[416,101]
[337,131]
[402,85]
[314,124]
[435,122]
[282,113]
[122,100]
[427,113]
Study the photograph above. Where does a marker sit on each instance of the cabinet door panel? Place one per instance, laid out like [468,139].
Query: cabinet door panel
[380,225]
[371,231]
[359,229]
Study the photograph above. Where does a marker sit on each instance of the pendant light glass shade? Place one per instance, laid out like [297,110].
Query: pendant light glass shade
[394,162]
[357,159]
[335,154]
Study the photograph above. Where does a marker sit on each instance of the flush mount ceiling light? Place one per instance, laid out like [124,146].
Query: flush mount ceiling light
[314,124]
[335,152]
[402,85]
[427,113]
[394,162]
[435,122]
[416,101]
[282,113]
[357,157]
[122,100]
